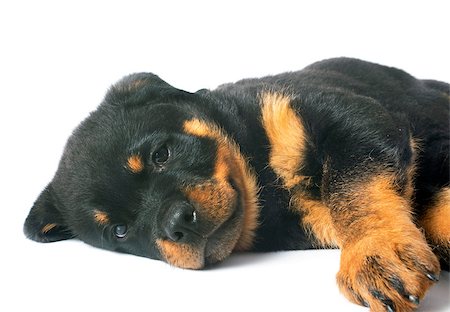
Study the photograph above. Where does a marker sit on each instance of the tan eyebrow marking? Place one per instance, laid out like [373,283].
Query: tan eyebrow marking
[101,217]
[135,163]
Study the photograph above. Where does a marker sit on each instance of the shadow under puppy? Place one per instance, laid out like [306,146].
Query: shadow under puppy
[342,154]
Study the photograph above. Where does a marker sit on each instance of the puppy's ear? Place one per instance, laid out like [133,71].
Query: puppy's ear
[44,222]
[138,81]
[141,89]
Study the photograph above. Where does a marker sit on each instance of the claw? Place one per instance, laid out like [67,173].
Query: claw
[390,308]
[415,300]
[385,300]
[361,300]
[433,277]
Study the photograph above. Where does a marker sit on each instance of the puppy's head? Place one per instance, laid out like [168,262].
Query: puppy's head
[150,173]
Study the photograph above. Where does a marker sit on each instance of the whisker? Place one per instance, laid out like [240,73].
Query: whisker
[102,237]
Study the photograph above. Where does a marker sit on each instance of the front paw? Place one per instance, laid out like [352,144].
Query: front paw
[387,275]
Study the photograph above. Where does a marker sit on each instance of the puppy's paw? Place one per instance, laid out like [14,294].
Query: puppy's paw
[388,274]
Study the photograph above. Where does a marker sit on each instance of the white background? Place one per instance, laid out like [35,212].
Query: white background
[57,61]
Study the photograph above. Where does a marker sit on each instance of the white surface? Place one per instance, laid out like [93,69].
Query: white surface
[56,62]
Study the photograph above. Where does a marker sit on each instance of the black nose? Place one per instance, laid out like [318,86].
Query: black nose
[181,221]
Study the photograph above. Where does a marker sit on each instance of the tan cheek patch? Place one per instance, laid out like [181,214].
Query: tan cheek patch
[101,217]
[216,200]
[216,197]
[230,163]
[135,163]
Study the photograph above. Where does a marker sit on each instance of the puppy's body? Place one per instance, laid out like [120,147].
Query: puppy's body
[344,154]
[374,116]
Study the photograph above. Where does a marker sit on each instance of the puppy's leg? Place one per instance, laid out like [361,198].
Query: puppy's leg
[350,175]
[386,262]
[436,224]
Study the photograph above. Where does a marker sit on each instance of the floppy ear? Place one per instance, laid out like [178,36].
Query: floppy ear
[141,89]
[44,222]
[136,81]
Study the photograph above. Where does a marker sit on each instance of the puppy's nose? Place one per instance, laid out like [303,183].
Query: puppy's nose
[181,221]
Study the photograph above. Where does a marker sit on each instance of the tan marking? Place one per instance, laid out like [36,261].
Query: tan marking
[369,206]
[230,163]
[215,199]
[180,255]
[287,137]
[408,192]
[48,227]
[379,240]
[316,219]
[201,129]
[101,217]
[135,163]
[436,221]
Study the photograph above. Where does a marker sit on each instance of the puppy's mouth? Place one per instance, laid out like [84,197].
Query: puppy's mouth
[223,240]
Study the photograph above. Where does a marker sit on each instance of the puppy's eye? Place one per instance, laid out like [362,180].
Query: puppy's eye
[161,156]
[120,230]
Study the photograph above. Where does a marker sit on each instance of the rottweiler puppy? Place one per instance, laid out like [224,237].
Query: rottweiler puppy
[342,154]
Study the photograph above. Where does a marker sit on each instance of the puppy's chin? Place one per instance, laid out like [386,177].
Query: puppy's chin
[204,251]
[182,255]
